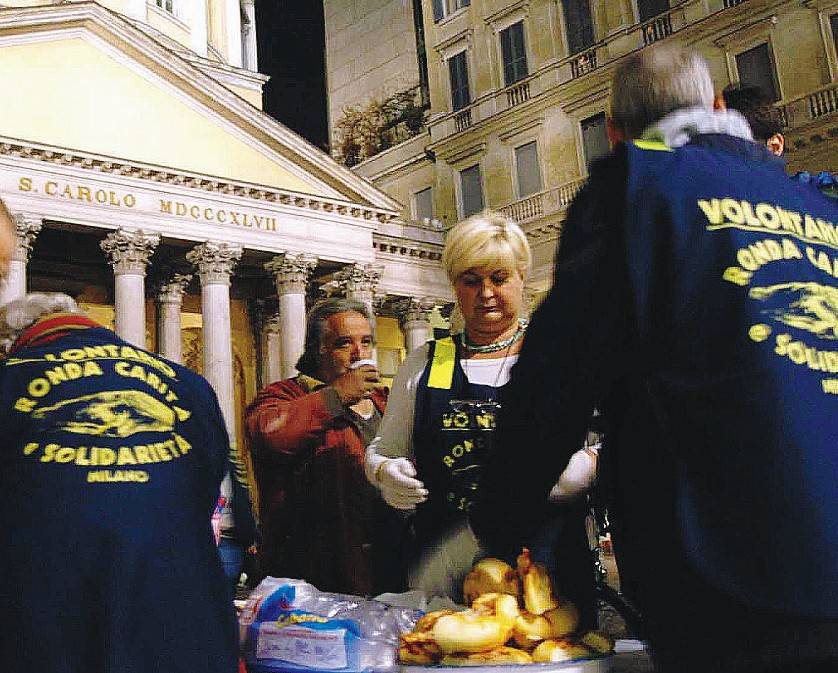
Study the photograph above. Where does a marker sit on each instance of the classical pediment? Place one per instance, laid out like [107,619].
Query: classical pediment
[81,77]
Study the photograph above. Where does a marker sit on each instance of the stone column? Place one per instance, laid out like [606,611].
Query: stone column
[272,349]
[169,301]
[198,27]
[233,32]
[250,57]
[214,263]
[13,285]
[128,253]
[415,320]
[291,272]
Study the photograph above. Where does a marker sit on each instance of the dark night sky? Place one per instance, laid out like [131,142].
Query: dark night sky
[291,50]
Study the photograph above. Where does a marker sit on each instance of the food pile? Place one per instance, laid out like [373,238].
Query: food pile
[496,630]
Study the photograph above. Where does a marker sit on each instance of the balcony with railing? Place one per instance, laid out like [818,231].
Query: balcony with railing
[810,107]
[564,71]
[517,93]
[462,120]
[657,29]
[583,63]
[547,202]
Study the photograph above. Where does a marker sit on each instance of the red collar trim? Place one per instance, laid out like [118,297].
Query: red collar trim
[51,328]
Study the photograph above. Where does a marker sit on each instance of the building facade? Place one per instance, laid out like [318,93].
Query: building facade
[145,181]
[518,91]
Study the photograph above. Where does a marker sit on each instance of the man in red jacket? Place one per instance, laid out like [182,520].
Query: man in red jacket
[308,435]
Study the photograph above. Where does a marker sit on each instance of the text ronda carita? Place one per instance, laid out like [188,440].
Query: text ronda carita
[110,415]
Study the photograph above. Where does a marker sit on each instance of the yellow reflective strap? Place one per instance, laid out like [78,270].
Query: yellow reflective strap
[442,365]
[654,145]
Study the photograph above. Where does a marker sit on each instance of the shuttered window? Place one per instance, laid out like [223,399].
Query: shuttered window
[458,72]
[594,138]
[424,204]
[756,67]
[579,24]
[528,170]
[471,190]
[514,53]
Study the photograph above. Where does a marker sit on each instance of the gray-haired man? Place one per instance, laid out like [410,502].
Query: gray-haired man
[308,435]
[721,429]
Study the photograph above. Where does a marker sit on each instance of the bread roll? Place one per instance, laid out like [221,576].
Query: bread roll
[564,618]
[419,649]
[426,622]
[502,606]
[599,642]
[469,632]
[554,651]
[490,575]
[537,585]
[530,630]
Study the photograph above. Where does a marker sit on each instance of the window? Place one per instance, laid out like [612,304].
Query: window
[443,8]
[458,72]
[165,4]
[579,24]
[756,67]
[471,190]
[514,53]
[529,172]
[649,8]
[423,203]
[594,138]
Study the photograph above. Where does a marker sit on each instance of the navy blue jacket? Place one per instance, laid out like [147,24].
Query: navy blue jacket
[113,459]
[696,304]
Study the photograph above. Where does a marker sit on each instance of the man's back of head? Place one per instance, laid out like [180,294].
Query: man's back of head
[653,82]
[765,120]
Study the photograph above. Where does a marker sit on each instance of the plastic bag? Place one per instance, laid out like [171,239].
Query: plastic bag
[288,625]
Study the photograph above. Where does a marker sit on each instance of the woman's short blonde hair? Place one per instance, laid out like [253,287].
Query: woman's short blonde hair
[486,239]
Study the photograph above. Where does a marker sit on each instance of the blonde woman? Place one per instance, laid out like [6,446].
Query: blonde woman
[441,412]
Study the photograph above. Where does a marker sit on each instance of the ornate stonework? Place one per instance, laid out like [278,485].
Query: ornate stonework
[214,261]
[291,271]
[360,279]
[171,291]
[406,247]
[129,251]
[410,309]
[27,228]
[154,173]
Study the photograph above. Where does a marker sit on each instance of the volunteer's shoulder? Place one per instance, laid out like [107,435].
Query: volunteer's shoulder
[598,203]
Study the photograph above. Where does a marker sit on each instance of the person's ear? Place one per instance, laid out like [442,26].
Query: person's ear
[615,134]
[776,144]
[719,102]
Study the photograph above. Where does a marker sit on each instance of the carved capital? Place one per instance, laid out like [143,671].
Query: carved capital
[291,271]
[171,291]
[214,261]
[410,310]
[129,251]
[27,228]
[360,280]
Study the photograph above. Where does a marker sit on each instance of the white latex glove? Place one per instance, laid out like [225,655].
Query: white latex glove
[399,489]
[578,476]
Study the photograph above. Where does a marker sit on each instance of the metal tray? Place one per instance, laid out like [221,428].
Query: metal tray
[601,665]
